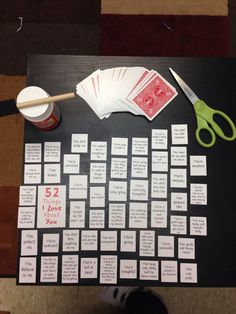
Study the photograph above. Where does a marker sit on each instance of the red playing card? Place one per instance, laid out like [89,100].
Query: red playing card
[154,97]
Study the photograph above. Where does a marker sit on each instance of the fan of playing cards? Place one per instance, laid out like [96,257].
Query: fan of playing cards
[133,89]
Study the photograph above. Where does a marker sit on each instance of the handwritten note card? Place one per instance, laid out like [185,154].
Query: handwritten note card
[108,241]
[70,240]
[32,174]
[70,267]
[159,214]
[149,270]
[119,146]
[27,195]
[166,246]
[159,138]
[117,215]
[98,151]
[188,272]
[29,242]
[97,172]
[128,241]
[179,134]
[79,143]
[52,151]
[147,243]
[77,214]
[138,215]
[198,166]
[88,267]
[159,161]
[78,186]
[26,217]
[49,269]
[71,163]
[27,270]
[33,152]
[119,168]
[159,185]
[169,271]
[198,194]
[139,167]
[50,243]
[108,269]
[139,190]
[139,146]
[128,269]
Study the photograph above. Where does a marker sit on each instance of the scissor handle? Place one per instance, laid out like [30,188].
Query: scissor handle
[205,115]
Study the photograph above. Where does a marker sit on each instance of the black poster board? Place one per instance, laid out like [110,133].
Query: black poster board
[213,81]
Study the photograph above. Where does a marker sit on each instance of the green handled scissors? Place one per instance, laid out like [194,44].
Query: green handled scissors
[204,116]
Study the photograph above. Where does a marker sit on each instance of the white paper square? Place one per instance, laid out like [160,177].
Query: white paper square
[119,146]
[119,168]
[51,206]
[52,151]
[29,242]
[27,195]
[139,146]
[49,269]
[198,226]
[79,143]
[159,138]
[97,172]
[188,272]
[96,219]
[33,152]
[98,151]
[108,241]
[118,191]
[97,196]
[32,174]
[169,271]
[88,267]
[139,167]
[179,201]
[128,269]
[128,241]
[70,240]
[108,269]
[50,243]
[78,186]
[178,178]
[139,190]
[159,185]
[178,156]
[117,214]
[138,215]
[166,246]
[198,194]
[89,240]
[159,161]
[52,173]
[147,243]
[149,270]
[27,270]
[77,214]
[26,217]
[186,248]
[179,134]
[159,214]
[71,163]
[198,166]
[178,224]
[70,268]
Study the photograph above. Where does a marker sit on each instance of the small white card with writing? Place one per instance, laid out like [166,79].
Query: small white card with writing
[52,151]
[118,191]
[169,271]
[178,178]
[108,241]
[119,168]
[186,248]
[159,161]
[27,270]
[178,156]
[96,219]
[198,166]
[128,241]
[147,243]
[178,224]
[49,269]
[98,172]
[149,270]
[78,186]
[88,267]
[138,215]
[29,242]
[79,143]
[33,152]
[159,185]
[77,214]
[71,163]
[139,190]
[26,217]
[70,267]
[188,272]
[198,226]
[119,146]
[98,151]
[179,201]
[52,173]
[32,174]
[139,168]
[159,138]
[159,214]
[117,215]
[70,240]
[128,269]
[198,194]
[97,196]
[27,195]
[139,146]
[179,134]
[108,269]
[89,240]
[166,247]
[50,243]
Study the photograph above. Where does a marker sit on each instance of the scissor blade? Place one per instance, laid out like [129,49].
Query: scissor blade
[185,88]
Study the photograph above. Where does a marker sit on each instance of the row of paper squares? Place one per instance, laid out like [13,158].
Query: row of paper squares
[138,218]
[108,270]
[150,243]
[98,170]
[119,145]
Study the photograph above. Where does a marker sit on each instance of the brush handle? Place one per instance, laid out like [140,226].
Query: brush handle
[42,101]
